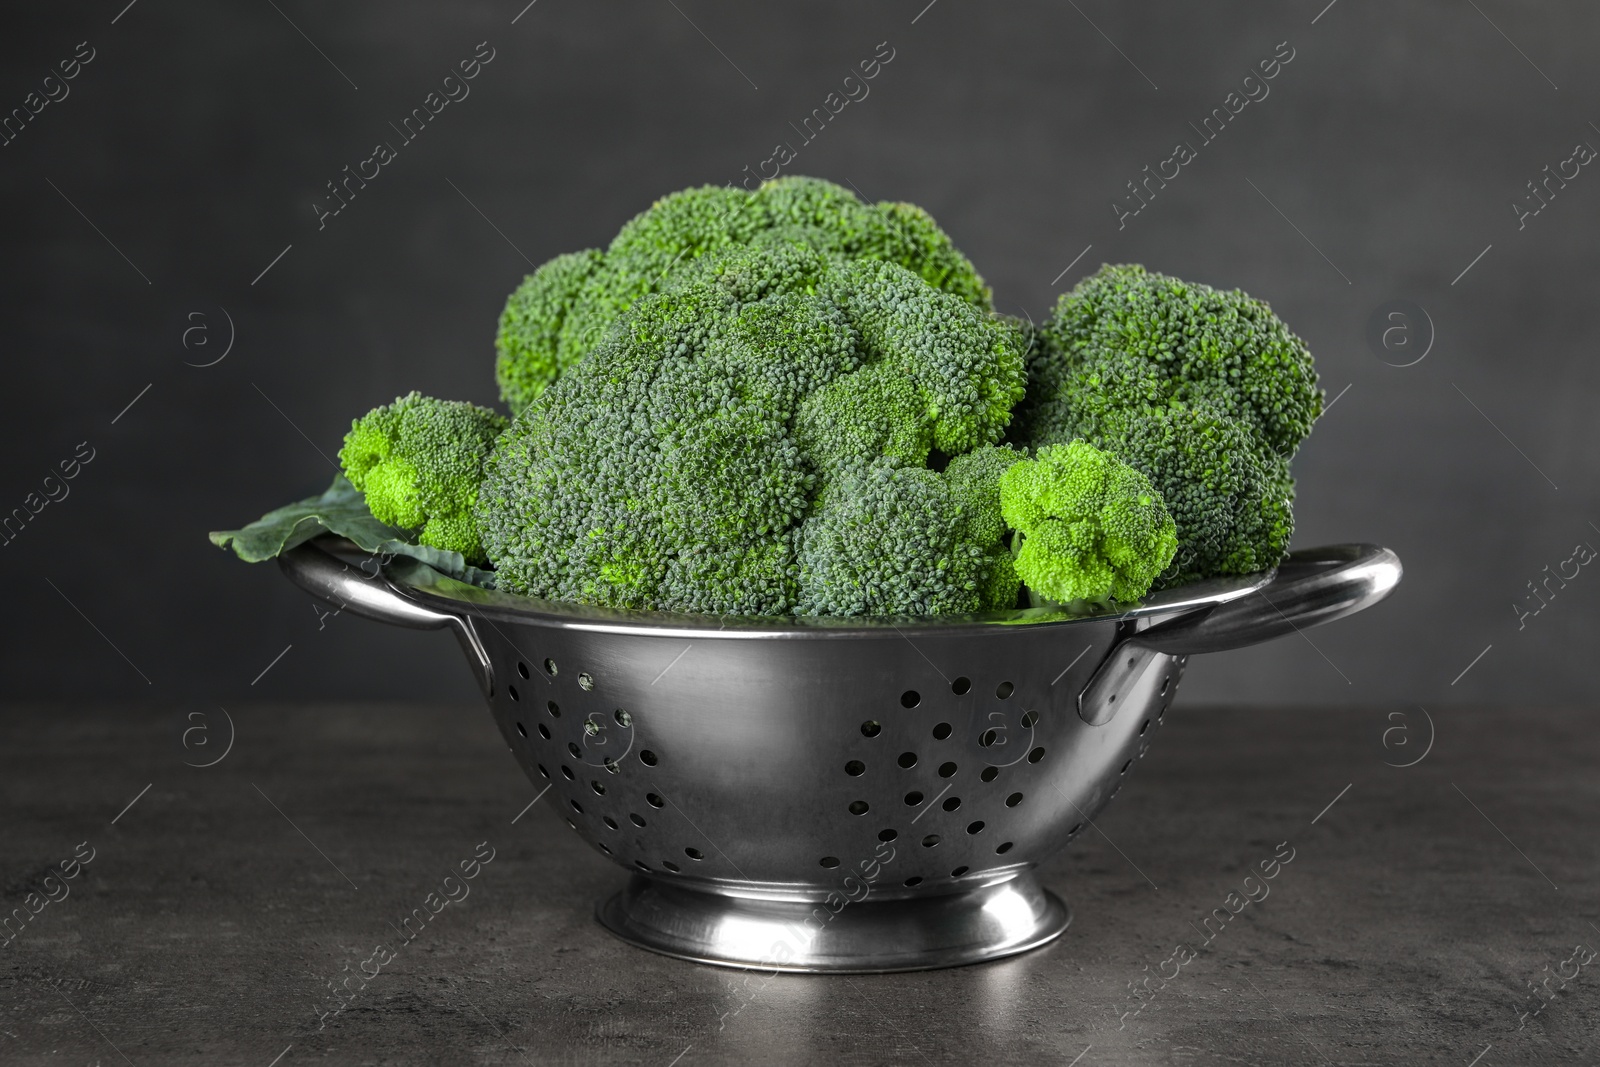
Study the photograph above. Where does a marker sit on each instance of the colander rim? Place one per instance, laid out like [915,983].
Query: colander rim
[422,583]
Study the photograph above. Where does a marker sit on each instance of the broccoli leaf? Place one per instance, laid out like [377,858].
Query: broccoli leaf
[341,510]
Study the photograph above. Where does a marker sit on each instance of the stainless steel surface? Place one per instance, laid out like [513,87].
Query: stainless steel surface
[849,932]
[757,762]
[1312,587]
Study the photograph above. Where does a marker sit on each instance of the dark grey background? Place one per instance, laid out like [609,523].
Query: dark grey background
[200,135]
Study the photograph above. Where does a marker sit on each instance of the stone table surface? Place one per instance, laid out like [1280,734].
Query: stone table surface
[1415,914]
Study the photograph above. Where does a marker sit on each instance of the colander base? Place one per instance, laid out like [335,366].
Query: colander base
[865,936]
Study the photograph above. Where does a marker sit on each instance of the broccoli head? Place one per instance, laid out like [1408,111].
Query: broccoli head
[1205,392]
[753,439]
[418,461]
[1090,528]
[564,308]
[525,362]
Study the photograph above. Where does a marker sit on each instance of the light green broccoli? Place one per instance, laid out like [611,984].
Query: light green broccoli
[418,461]
[1090,528]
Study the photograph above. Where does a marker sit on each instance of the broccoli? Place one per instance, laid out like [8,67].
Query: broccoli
[1090,528]
[892,540]
[753,440]
[1205,392]
[523,366]
[564,308]
[419,461]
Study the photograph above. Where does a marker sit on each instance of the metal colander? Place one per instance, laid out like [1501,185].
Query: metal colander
[837,794]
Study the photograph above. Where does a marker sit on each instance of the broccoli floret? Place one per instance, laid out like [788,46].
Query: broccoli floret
[564,309]
[890,541]
[1205,392]
[418,461]
[1090,528]
[729,428]
[974,479]
[528,357]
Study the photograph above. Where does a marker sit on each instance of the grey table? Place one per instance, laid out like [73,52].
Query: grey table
[218,907]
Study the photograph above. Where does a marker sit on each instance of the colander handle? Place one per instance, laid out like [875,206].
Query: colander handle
[1312,586]
[354,589]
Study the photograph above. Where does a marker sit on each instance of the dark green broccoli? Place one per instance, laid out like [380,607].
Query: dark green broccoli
[418,461]
[565,308]
[1206,392]
[1090,529]
[679,465]
[535,310]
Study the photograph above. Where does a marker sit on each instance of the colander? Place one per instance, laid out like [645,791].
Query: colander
[843,795]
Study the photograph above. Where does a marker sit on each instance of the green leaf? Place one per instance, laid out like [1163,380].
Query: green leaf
[341,510]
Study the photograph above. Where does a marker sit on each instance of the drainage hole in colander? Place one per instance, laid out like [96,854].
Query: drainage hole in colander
[952,803]
[512,690]
[871,728]
[601,845]
[1004,689]
[960,686]
[635,818]
[521,729]
[908,760]
[542,772]
[958,872]
[653,800]
[987,738]
[975,827]
[915,880]
[611,824]
[855,768]
[1075,828]
[859,807]
[1166,683]
[568,772]
[586,681]
[887,835]
[550,667]
[1029,718]
[941,731]
[913,798]
[1143,727]
[1003,849]
[599,789]
[544,731]
[989,774]
[910,698]
[946,770]
[576,806]
[624,720]
[591,727]
[1114,791]
[522,668]
[611,766]
[554,709]
[1036,755]
[829,862]
[647,758]
[669,865]
[1013,800]
[571,825]
[572,747]
[1125,767]
[694,853]
[641,865]
[930,841]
